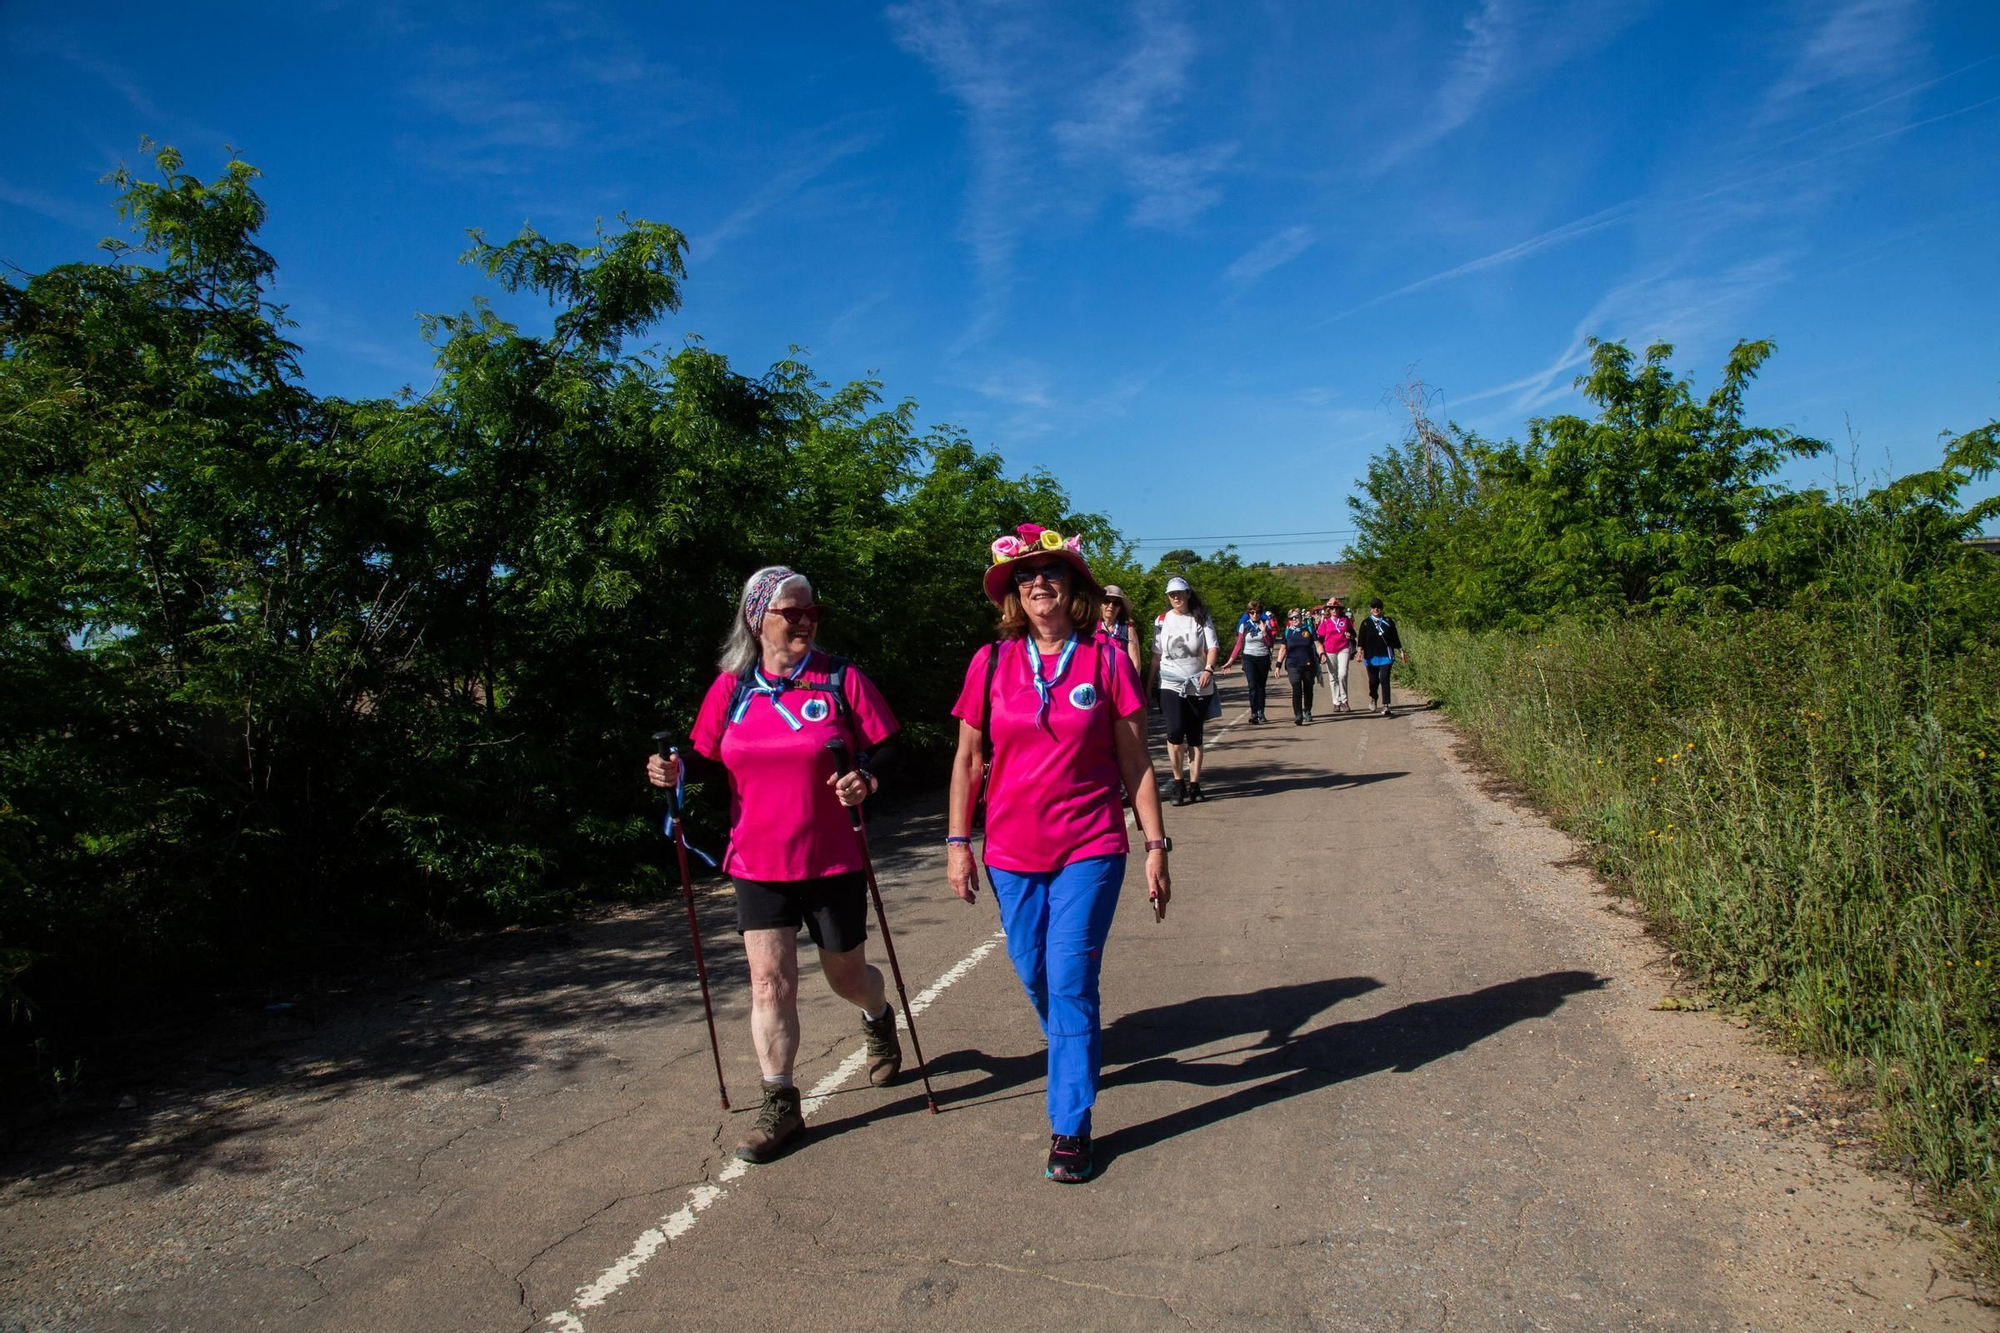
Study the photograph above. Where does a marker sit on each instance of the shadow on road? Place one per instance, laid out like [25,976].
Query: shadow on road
[1286,1062]
[1224,786]
[491,1011]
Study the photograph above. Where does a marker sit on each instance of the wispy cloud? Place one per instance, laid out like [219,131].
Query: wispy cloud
[562,82]
[1121,124]
[1506,44]
[1554,236]
[787,182]
[1484,56]
[1860,45]
[1695,311]
[1052,127]
[119,80]
[70,212]
[971,49]
[1273,252]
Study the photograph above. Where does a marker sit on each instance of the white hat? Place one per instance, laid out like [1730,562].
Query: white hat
[1177,584]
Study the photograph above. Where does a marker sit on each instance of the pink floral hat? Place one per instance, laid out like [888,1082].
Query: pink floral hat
[1031,539]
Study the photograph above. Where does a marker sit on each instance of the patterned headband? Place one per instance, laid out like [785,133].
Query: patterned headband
[757,600]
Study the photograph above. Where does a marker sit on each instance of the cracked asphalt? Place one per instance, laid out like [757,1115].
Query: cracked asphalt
[1391,1063]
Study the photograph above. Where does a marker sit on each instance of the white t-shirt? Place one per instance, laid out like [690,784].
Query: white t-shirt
[1256,635]
[1183,644]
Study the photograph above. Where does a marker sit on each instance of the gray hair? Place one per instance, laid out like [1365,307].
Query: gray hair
[742,647]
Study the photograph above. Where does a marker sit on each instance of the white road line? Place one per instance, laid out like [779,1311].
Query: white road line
[703,1197]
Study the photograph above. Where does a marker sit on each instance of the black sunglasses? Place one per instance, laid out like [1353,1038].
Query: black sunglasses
[797,615]
[1055,571]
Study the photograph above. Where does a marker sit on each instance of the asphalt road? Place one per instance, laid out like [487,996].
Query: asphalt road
[1390,1063]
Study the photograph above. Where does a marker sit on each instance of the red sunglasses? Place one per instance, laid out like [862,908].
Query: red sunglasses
[797,615]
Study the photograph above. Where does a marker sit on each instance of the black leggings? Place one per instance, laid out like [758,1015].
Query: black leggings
[1183,716]
[1302,688]
[1378,681]
[1257,675]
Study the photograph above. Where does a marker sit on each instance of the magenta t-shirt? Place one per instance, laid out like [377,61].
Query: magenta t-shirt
[1052,792]
[1333,633]
[785,823]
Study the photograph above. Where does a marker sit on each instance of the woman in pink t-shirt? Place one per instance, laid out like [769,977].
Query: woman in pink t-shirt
[1052,718]
[1337,633]
[764,726]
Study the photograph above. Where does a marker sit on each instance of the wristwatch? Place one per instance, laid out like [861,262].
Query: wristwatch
[1160,845]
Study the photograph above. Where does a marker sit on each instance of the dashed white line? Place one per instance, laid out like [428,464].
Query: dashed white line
[703,1197]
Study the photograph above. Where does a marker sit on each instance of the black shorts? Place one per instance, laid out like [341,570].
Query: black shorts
[834,908]
[1184,717]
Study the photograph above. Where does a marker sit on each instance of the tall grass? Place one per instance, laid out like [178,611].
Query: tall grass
[1809,806]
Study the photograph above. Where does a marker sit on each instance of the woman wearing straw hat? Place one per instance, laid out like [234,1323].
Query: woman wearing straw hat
[1052,717]
[1118,618]
[764,725]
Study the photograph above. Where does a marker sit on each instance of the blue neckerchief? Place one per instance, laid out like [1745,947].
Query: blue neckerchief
[762,684]
[1046,688]
[680,780]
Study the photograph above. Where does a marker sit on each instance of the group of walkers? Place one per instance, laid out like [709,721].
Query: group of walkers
[1051,747]
[1315,643]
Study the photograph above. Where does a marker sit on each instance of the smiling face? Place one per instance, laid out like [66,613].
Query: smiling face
[785,643]
[1043,585]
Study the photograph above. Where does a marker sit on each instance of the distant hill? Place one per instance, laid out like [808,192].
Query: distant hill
[1320,580]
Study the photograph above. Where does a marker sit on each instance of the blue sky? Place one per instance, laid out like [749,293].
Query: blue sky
[1174,252]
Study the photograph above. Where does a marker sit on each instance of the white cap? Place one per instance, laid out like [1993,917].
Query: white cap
[1177,584]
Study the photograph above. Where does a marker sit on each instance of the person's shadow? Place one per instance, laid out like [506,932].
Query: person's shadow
[1285,1062]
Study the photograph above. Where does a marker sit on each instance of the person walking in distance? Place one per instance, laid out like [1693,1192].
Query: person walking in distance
[1256,631]
[1302,665]
[1380,646]
[1185,647]
[764,726]
[1336,635]
[1119,620]
[1052,718]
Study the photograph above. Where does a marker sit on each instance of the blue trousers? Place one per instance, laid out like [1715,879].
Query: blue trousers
[1056,924]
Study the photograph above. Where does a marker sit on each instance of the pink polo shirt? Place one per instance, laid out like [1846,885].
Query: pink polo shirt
[1052,793]
[1333,633]
[785,823]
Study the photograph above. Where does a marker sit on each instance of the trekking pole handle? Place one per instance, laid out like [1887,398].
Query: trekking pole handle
[663,741]
[839,749]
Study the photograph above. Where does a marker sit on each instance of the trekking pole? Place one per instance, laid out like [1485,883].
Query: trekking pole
[839,749]
[663,741]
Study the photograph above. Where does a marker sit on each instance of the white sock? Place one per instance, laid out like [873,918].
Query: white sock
[777,1080]
[876,1018]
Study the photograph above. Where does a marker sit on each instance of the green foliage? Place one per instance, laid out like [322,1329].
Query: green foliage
[282,672]
[1810,813]
[1649,506]
[1771,713]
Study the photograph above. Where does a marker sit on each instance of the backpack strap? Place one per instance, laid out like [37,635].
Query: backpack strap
[986,708]
[834,684]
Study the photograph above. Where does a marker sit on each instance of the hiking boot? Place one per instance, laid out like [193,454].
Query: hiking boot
[885,1051]
[779,1125]
[1069,1159]
[1180,792]
[1194,793]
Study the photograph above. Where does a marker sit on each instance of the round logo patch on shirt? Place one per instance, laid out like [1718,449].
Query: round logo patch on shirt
[1083,696]
[815,710]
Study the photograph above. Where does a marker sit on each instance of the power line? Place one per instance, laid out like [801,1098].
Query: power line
[1235,536]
